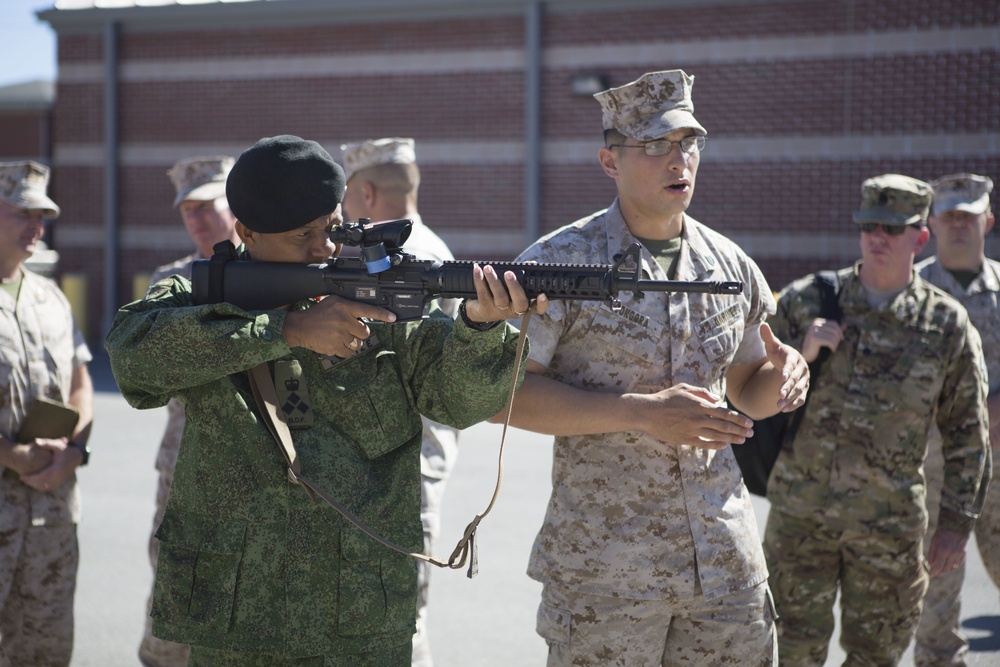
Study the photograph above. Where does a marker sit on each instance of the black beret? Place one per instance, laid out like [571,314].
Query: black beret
[282,183]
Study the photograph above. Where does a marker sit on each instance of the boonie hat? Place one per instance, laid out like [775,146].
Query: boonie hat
[282,183]
[894,199]
[24,184]
[373,152]
[651,107]
[962,192]
[200,178]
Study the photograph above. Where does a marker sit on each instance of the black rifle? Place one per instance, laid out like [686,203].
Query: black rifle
[386,276]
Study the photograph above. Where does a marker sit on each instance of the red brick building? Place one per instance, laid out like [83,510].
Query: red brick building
[802,99]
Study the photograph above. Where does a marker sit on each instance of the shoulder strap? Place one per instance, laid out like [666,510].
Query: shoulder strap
[266,397]
[829,308]
[829,288]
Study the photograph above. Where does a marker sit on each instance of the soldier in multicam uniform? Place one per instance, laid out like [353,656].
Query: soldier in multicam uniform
[961,218]
[847,498]
[383,182]
[42,355]
[649,553]
[251,571]
[200,184]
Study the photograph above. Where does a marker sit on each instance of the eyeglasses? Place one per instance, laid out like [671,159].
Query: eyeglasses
[661,147]
[891,230]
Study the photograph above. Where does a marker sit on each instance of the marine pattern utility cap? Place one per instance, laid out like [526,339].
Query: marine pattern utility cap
[200,178]
[373,152]
[24,185]
[651,107]
[962,192]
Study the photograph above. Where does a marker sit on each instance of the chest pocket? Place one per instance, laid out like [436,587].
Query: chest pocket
[366,399]
[632,336]
[720,332]
[912,361]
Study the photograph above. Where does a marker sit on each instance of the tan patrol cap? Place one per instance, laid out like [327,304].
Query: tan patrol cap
[651,107]
[962,192]
[894,199]
[373,152]
[24,185]
[200,178]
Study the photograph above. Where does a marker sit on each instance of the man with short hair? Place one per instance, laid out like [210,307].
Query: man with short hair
[649,553]
[200,186]
[961,218]
[847,497]
[252,571]
[43,359]
[383,182]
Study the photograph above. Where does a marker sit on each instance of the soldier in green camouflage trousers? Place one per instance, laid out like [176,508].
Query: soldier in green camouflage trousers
[250,570]
[961,218]
[848,497]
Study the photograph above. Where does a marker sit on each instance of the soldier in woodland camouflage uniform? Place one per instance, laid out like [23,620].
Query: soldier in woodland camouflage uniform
[848,498]
[961,218]
[251,571]
[42,355]
[650,553]
[383,182]
[200,183]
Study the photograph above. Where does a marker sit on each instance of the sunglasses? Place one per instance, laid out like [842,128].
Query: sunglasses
[891,230]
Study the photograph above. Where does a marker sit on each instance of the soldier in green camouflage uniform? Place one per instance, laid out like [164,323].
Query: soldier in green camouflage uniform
[251,571]
[650,553]
[42,356]
[848,498]
[961,218]
[200,185]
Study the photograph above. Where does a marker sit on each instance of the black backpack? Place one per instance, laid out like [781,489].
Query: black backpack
[757,455]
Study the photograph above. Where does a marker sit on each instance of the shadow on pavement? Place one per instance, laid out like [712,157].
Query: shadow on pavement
[100,372]
[988,624]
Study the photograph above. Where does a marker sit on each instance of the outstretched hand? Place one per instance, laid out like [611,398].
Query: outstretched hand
[794,370]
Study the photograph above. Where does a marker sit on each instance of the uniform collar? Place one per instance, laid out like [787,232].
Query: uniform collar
[696,261]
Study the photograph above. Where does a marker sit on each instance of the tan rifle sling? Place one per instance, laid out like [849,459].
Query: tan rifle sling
[267,400]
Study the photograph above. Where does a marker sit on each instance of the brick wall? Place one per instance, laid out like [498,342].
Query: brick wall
[802,100]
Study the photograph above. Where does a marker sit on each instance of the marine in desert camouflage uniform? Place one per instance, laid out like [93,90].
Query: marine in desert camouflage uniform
[42,355]
[200,185]
[961,218]
[251,571]
[383,183]
[649,553]
[848,497]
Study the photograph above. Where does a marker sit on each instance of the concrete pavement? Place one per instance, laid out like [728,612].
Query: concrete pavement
[487,621]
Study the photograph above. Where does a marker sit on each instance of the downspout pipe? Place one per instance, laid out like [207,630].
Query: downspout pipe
[532,121]
[111,245]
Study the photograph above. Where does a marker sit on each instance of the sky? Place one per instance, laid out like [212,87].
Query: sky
[27,45]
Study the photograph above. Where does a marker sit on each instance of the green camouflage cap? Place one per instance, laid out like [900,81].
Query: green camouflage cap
[894,199]
[200,178]
[962,192]
[373,152]
[23,184]
[651,107]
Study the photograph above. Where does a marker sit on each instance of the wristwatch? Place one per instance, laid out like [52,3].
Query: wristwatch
[84,449]
[478,326]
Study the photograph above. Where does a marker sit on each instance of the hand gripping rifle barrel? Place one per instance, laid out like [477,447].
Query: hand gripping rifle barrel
[386,276]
